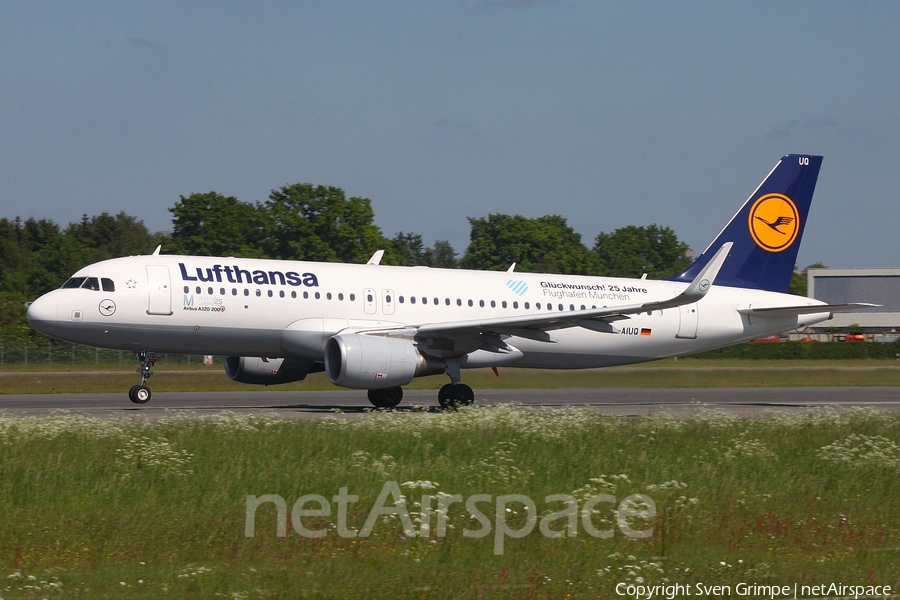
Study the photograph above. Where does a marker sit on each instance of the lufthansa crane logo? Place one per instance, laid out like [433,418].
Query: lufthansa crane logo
[774,222]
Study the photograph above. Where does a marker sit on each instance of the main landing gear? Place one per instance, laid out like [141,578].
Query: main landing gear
[140,394]
[386,398]
[455,394]
[452,395]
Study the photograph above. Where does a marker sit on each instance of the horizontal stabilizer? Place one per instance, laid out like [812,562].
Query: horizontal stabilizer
[809,309]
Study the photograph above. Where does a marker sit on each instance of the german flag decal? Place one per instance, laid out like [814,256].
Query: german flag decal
[645,331]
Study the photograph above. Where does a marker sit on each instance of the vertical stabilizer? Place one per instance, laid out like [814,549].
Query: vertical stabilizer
[766,231]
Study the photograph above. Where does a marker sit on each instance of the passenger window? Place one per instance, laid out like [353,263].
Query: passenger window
[481,303]
[527,306]
[198,289]
[74,282]
[281,293]
[306,295]
[538,305]
[341,296]
[470,302]
[424,300]
[234,291]
[400,299]
[246,292]
[328,296]
[318,295]
[293,294]
[459,302]
[503,304]
[493,304]
[108,285]
[91,283]
[352,297]
[187,290]
[270,293]
[210,291]
[436,301]
[221,291]
[412,299]
[369,298]
[515,305]
[258,293]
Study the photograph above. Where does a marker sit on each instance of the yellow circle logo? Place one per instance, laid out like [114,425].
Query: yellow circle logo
[774,222]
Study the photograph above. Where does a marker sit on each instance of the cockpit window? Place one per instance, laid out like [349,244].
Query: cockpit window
[91,283]
[108,285]
[74,282]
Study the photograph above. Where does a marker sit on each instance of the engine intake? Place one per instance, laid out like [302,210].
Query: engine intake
[368,362]
[270,371]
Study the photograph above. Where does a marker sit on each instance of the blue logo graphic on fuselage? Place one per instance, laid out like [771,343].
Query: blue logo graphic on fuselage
[519,287]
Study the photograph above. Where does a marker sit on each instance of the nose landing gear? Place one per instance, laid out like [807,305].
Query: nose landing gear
[140,394]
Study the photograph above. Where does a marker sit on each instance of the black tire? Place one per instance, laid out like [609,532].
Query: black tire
[462,395]
[386,398]
[454,396]
[139,394]
[444,396]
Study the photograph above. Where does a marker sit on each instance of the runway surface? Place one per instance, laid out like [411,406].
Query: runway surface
[353,403]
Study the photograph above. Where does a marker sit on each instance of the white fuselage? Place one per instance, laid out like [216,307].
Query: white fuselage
[269,308]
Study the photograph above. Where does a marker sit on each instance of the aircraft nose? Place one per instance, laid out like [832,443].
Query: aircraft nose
[44,310]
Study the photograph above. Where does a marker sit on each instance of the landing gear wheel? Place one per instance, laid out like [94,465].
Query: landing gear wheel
[444,396]
[386,398]
[139,394]
[456,395]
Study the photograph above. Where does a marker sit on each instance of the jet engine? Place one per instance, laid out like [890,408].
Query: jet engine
[370,362]
[267,371]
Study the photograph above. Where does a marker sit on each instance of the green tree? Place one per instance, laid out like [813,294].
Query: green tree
[632,251]
[215,225]
[108,236]
[36,257]
[409,249]
[306,222]
[543,245]
[441,255]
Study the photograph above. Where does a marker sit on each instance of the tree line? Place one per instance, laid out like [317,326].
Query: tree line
[318,223]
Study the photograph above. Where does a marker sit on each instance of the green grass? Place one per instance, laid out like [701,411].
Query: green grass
[669,373]
[112,508]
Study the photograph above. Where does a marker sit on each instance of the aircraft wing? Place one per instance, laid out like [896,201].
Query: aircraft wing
[536,326]
[808,309]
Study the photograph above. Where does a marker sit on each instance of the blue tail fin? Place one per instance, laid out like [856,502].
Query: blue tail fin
[766,231]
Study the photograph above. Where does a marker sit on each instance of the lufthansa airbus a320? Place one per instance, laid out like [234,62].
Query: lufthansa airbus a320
[375,327]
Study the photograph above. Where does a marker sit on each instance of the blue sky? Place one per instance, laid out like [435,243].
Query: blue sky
[609,114]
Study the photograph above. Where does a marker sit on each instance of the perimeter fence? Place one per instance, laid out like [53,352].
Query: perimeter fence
[55,352]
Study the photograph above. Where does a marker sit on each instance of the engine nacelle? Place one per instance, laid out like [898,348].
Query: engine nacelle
[370,362]
[251,369]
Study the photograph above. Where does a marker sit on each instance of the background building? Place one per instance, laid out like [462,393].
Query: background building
[878,286]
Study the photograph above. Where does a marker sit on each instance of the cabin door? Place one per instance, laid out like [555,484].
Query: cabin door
[160,289]
[687,325]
